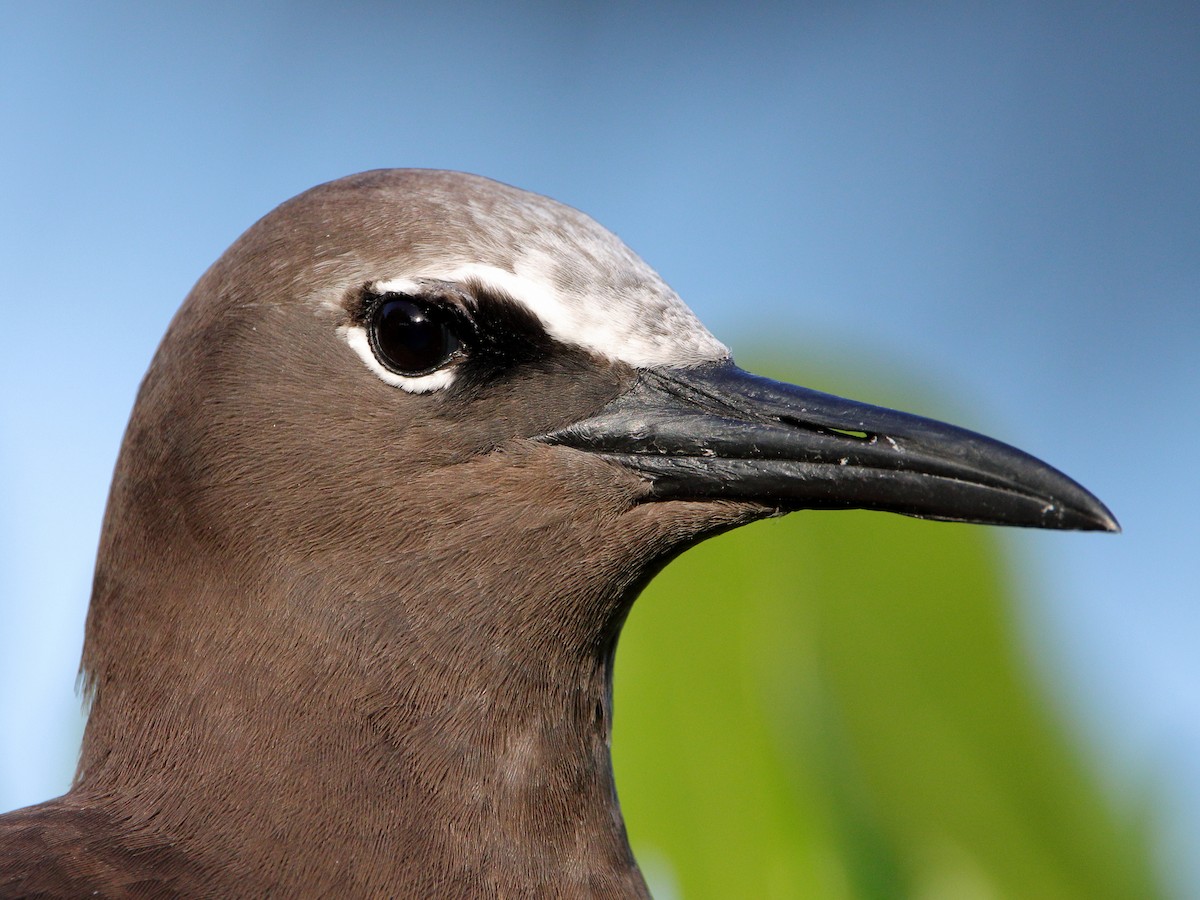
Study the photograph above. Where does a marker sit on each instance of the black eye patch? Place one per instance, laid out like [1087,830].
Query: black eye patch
[480,332]
[506,333]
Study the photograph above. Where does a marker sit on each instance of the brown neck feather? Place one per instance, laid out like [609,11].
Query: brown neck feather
[351,713]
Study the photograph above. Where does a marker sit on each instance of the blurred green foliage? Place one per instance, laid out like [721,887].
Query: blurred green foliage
[837,705]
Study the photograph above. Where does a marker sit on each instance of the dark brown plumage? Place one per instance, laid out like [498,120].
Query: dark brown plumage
[350,640]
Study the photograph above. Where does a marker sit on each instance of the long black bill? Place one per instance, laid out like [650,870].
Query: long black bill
[715,431]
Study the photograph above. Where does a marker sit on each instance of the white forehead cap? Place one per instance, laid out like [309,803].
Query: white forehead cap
[611,305]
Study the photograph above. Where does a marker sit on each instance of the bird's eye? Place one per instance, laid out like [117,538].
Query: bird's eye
[412,338]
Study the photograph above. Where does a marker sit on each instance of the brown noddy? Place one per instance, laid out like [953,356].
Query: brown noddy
[403,461]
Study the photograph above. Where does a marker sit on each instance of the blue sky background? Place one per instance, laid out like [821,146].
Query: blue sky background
[999,206]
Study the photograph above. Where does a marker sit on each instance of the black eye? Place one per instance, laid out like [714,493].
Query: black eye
[412,338]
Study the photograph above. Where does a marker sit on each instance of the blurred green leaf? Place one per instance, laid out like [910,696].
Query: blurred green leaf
[836,705]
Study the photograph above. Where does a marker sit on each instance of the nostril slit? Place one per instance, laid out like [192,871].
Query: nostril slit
[827,429]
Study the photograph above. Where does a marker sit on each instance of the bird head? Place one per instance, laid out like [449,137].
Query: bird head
[399,468]
[479,404]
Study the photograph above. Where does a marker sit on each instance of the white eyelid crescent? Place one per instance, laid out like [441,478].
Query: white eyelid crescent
[356,337]
[396,286]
